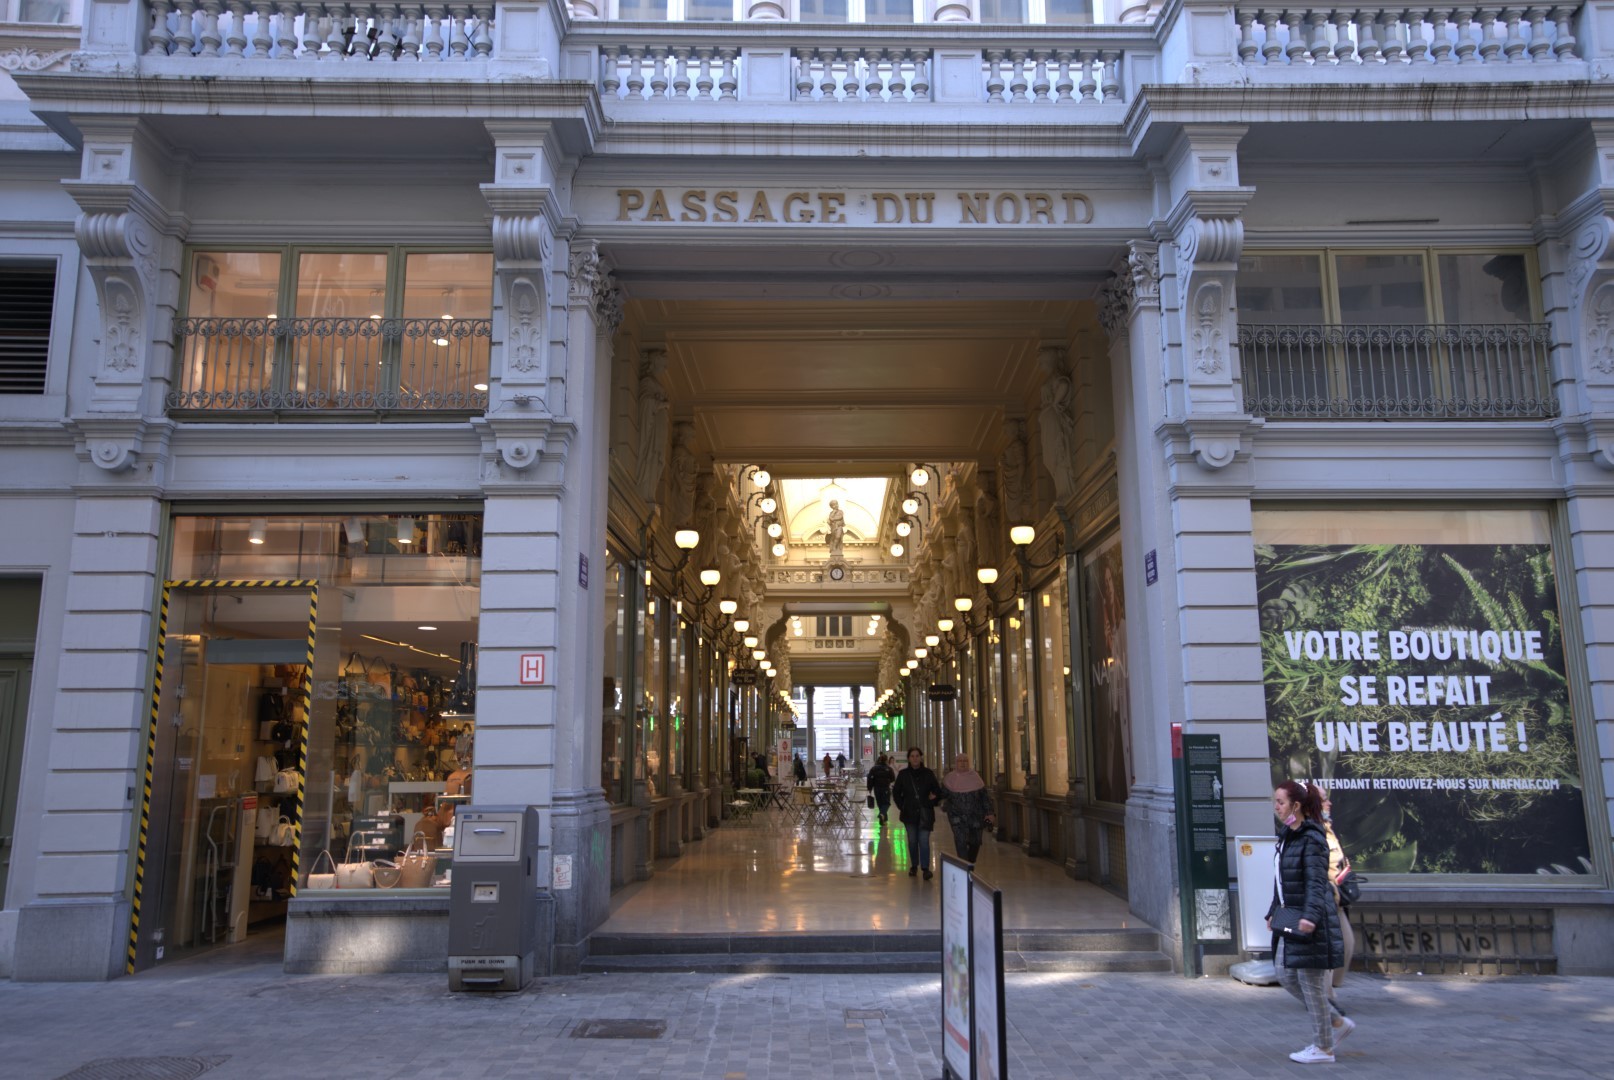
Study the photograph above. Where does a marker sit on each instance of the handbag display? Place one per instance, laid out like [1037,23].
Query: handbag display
[284,833]
[321,881]
[387,873]
[264,824]
[354,875]
[264,772]
[418,864]
[286,781]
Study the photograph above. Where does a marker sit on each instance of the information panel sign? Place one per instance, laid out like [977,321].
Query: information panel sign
[988,1042]
[955,928]
[1207,836]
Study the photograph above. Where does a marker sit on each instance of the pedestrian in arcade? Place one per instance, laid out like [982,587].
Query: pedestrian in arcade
[829,765]
[968,806]
[917,792]
[840,762]
[879,781]
[1305,957]
[798,769]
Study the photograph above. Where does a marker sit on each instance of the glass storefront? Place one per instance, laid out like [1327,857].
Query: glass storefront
[293,722]
[614,734]
[1053,656]
[1109,719]
[996,702]
[1017,677]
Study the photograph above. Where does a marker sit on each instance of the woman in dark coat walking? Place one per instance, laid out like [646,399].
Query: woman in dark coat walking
[1305,959]
[917,793]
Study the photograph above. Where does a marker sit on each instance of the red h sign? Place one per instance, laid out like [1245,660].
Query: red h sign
[532,669]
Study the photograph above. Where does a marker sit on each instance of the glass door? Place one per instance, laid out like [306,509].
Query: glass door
[218,857]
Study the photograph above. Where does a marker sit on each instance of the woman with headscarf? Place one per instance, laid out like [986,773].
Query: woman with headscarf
[968,806]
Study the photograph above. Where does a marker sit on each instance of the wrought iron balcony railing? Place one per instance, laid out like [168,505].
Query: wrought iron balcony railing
[1439,372]
[309,367]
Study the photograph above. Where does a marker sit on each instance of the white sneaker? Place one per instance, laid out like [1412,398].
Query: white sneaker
[1312,1056]
[1346,1026]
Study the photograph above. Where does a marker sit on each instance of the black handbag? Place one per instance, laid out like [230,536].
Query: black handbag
[1350,887]
[868,800]
[1286,924]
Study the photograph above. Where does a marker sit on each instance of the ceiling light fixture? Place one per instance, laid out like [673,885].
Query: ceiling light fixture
[728,605]
[768,504]
[741,625]
[904,528]
[920,477]
[686,539]
[910,505]
[259,531]
[761,478]
[1021,535]
[963,603]
[406,530]
[897,550]
[711,576]
[779,550]
[987,575]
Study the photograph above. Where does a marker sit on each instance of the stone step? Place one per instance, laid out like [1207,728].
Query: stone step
[812,963]
[920,941]
[831,952]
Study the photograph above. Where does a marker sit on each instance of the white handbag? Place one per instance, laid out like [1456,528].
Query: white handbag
[285,781]
[265,823]
[354,875]
[265,770]
[322,881]
[284,834]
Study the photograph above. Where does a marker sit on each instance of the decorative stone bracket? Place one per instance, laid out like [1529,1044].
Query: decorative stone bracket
[1211,442]
[524,451]
[120,246]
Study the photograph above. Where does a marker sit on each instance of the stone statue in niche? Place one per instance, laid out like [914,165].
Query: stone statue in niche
[1012,474]
[835,531]
[1057,425]
[684,468]
[653,423]
[986,519]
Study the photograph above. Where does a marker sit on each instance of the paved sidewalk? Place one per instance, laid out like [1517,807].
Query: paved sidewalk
[266,1025]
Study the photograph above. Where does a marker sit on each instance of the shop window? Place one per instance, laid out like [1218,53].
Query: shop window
[288,729]
[995,701]
[27,301]
[1053,656]
[1485,288]
[613,743]
[643,10]
[1109,718]
[650,717]
[1415,665]
[821,11]
[1386,288]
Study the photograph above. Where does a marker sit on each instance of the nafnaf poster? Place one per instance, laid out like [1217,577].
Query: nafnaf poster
[1424,686]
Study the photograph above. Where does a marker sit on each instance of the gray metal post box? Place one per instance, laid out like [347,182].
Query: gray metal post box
[493,898]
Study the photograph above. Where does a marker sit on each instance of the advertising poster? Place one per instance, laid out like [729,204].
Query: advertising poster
[986,940]
[1106,674]
[955,897]
[1424,686]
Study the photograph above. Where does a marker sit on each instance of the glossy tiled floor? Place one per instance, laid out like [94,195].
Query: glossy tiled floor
[768,877]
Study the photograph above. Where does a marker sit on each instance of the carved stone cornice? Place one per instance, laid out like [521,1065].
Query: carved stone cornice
[1207,226]
[1115,303]
[523,451]
[609,305]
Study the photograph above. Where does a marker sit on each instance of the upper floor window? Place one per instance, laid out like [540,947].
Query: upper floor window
[27,299]
[1391,287]
[1013,12]
[296,329]
[40,12]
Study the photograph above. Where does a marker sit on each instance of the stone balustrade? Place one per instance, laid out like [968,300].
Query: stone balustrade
[676,64]
[1365,37]
[954,63]
[298,30]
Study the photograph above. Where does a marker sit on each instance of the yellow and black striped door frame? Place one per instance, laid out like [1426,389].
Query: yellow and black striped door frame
[156,704]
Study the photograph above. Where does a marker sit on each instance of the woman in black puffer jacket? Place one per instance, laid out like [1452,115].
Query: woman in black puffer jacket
[1304,961]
